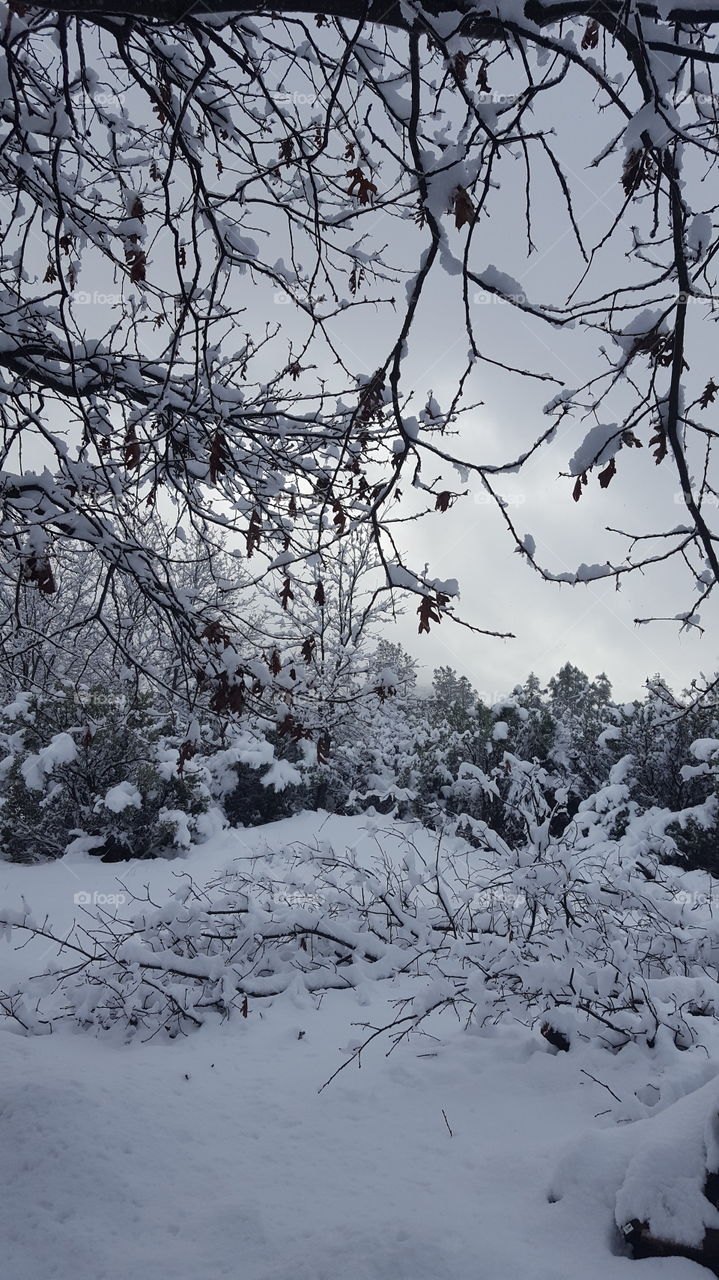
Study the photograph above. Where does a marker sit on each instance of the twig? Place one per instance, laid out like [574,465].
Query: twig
[601,1082]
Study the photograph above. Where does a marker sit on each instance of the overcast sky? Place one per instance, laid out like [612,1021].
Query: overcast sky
[590,625]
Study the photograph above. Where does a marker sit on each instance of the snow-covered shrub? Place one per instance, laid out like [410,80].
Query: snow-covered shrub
[98,768]
[697,843]
[251,803]
[695,836]
[252,777]
[582,935]
[655,1170]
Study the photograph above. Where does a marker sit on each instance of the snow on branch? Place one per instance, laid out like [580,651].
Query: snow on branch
[589,938]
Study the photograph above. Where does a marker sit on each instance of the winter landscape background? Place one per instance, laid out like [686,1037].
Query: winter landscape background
[359,715]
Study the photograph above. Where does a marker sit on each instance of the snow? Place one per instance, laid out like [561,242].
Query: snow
[704,748]
[281,774]
[220,1154]
[499,282]
[599,445]
[18,708]
[584,573]
[398,576]
[444,586]
[682,1141]
[648,121]
[252,1173]
[123,796]
[181,825]
[612,734]
[699,235]
[60,750]
[640,327]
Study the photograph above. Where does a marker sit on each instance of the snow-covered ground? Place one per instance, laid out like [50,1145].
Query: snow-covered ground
[477,1156]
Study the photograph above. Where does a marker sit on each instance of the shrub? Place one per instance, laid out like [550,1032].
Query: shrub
[94,771]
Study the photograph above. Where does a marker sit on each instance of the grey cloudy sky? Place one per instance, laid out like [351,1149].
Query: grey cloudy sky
[590,625]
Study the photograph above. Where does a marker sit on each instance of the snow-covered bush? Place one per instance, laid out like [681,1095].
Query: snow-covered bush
[695,835]
[97,768]
[250,803]
[582,935]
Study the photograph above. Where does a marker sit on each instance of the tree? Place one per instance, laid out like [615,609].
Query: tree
[667,735]
[158,161]
[327,679]
[98,630]
[454,698]
[535,735]
[582,712]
